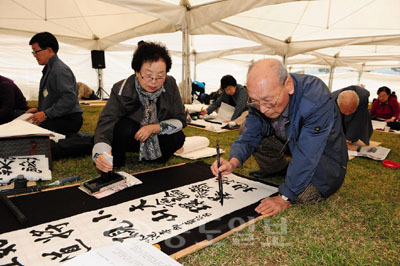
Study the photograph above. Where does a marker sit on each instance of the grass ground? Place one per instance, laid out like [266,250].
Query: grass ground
[359,225]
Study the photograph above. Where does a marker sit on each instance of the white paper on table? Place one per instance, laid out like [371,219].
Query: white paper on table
[195,108]
[124,254]
[25,116]
[225,112]
[19,127]
[196,147]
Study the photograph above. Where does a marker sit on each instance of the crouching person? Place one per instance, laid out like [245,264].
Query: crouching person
[144,114]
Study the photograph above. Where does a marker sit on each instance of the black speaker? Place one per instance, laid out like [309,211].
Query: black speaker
[98,61]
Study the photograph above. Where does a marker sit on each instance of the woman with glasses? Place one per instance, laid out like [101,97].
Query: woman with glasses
[385,107]
[144,114]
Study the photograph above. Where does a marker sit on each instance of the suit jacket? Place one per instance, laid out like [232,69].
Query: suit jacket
[58,93]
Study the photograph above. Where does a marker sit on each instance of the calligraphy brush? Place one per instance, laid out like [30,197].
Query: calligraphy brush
[221,193]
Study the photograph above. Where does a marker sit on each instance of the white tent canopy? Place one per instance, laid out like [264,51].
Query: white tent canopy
[361,34]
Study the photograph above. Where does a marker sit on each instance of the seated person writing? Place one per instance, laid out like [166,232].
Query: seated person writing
[298,112]
[385,107]
[144,114]
[233,94]
[58,106]
[12,101]
[356,121]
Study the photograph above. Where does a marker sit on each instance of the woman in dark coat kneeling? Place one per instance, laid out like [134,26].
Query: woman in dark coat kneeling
[144,114]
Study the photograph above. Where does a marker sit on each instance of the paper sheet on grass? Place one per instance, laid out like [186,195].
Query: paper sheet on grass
[375,153]
[19,127]
[196,147]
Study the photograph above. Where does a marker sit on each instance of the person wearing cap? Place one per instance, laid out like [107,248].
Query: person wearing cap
[199,92]
[233,94]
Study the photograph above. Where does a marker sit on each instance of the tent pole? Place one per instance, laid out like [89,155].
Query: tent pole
[332,69]
[185,65]
[194,65]
[284,60]
[360,73]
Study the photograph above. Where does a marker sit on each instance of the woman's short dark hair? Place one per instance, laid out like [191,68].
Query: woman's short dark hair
[385,89]
[228,80]
[45,40]
[150,52]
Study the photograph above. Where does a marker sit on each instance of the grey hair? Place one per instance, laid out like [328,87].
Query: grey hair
[282,71]
[342,97]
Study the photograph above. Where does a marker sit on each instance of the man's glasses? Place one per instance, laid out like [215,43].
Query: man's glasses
[34,53]
[148,77]
[266,104]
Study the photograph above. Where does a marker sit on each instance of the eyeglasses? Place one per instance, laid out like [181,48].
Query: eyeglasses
[148,77]
[266,104]
[34,53]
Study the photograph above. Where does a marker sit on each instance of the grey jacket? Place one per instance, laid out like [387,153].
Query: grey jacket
[357,126]
[58,93]
[124,102]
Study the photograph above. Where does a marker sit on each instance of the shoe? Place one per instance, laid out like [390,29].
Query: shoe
[260,174]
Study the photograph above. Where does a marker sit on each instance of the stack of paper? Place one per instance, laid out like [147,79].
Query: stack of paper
[196,147]
[19,127]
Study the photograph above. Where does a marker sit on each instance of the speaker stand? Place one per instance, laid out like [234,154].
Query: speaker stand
[100,91]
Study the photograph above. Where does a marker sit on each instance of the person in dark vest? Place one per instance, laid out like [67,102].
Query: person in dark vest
[356,121]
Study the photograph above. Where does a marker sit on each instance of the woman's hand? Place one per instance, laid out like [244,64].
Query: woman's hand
[145,131]
[103,164]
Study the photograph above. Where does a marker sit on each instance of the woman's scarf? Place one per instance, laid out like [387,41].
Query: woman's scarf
[150,149]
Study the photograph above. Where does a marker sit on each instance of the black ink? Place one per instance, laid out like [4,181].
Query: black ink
[52,231]
[5,251]
[194,206]
[67,250]
[164,215]
[244,187]
[5,167]
[96,219]
[141,206]
[30,164]
[201,190]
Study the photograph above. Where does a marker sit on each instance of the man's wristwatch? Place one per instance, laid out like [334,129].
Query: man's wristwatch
[284,198]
